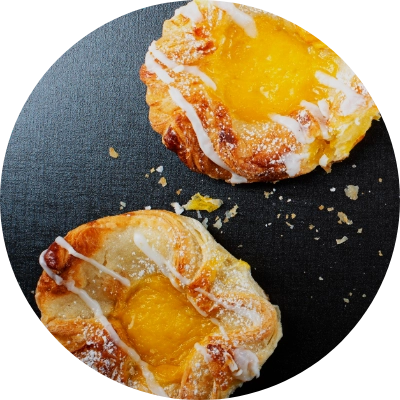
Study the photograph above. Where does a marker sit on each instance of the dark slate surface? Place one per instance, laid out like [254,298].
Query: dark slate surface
[58,174]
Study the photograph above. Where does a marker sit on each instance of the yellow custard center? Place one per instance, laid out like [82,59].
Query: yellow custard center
[162,326]
[271,73]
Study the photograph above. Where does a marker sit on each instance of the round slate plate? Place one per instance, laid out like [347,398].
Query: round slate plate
[58,174]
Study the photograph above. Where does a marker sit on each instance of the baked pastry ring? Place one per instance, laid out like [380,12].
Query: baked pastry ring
[149,299]
[245,96]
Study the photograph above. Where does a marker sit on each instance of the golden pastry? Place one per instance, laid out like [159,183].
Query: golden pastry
[245,96]
[149,299]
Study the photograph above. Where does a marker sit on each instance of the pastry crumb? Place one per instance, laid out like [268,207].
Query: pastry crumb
[311,227]
[293,215]
[122,203]
[152,170]
[218,224]
[316,238]
[179,191]
[343,218]
[113,153]
[346,300]
[231,213]
[280,198]
[321,207]
[354,165]
[364,295]
[147,208]
[199,214]
[205,223]
[351,192]
[332,189]
[289,225]
[147,175]
[203,203]
[278,216]
[177,208]
[321,278]
[342,240]
[380,253]
[240,245]
[162,182]
[289,200]
[287,216]
[360,230]
[267,194]
[330,209]
[380,180]
[160,169]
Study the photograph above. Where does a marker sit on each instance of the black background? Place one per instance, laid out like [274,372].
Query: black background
[362,357]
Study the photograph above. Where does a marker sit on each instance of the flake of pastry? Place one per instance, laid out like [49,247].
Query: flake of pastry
[152,170]
[360,230]
[321,207]
[351,192]
[179,191]
[343,218]
[113,153]
[342,240]
[177,208]
[203,203]
[162,182]
[346,300]
[332,189]
[380,253]
[218,224]
[289,225]
[160,169]
[311,227]
[329,209]
[147,208]
[231,213]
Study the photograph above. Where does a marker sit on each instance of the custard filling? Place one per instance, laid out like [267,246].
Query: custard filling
[271,73]
[162,326]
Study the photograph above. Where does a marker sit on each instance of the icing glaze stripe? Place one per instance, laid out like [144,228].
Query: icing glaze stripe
[242,19]
[352,100]
[193,70]
[202,137]
[98,313]
[65,245]
[295,127]
[191,11]
[316,112]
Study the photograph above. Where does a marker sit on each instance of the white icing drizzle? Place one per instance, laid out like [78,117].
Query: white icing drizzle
[166,268]
[242,19]
[323,161]
[193,70]
[292,162]
[352,100]
[294,126]
[252,315]
[65,245]
[98,313]
[247,363]
[156,68]
[197,308]
[202,137]
[324,108]
[191,11]
[203,351]
[316,112]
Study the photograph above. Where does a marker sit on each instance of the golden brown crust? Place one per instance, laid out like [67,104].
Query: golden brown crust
[263,155]
[219,285]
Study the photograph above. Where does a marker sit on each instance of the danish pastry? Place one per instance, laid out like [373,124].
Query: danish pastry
[150,300]
[245,96]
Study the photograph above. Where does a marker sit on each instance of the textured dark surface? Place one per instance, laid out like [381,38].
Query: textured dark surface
[58,174]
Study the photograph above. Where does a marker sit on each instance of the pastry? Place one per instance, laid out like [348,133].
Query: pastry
[149,299]
[245,96]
